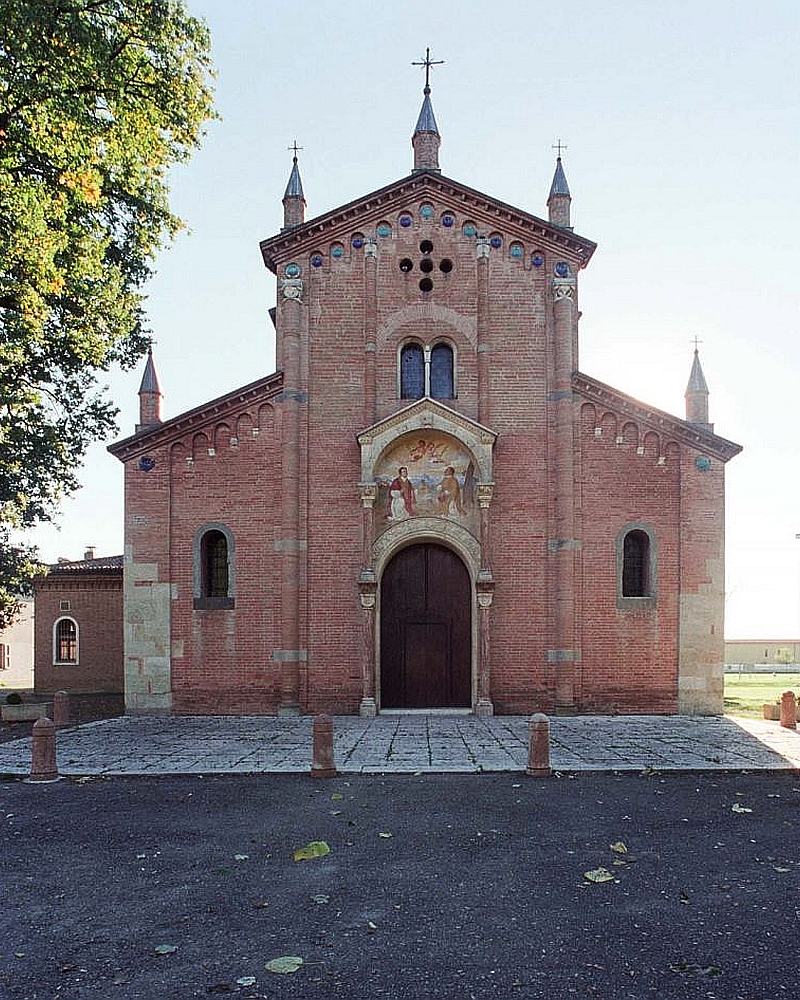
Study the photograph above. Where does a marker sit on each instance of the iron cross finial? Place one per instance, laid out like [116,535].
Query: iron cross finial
[696,342]
[427,62]
[558,146]
[294,148]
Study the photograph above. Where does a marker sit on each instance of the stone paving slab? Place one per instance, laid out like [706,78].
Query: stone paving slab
[411,743]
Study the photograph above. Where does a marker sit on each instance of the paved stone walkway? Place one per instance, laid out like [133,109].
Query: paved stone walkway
[412,743]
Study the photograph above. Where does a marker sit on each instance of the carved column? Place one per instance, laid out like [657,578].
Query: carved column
[289,544]
[367,589]
[562,654]
[484,586]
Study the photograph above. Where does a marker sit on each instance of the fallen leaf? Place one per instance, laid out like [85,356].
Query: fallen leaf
[320,899]
[337,797]
[246,981]
[385,835]
[371,928]
[316,849]
[285,964]
[259,904]
[165,949]
[241,857]
[740,809]
[783,871]
[618,847]
[599,875]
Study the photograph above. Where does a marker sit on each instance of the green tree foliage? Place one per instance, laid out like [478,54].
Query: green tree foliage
[98,98]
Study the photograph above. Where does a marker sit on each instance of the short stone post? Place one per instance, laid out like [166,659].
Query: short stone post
[539,747]
[43,752]
[788,710]
[322,763]
[60,709]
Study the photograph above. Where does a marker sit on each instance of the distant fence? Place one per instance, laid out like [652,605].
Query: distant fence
[762,668]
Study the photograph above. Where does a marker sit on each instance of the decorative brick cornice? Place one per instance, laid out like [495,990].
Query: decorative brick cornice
[264,390]
[681,430]
[367,211]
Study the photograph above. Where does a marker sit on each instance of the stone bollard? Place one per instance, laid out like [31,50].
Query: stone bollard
[43,752]
[788,710]
[539,747]
[322,763]
[60,709]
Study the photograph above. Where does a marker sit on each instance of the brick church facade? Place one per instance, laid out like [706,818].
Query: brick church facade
[428,505]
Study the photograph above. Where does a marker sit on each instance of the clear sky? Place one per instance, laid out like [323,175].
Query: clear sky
[683,156]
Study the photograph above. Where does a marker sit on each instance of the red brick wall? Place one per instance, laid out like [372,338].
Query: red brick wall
[96,605]
[224,661]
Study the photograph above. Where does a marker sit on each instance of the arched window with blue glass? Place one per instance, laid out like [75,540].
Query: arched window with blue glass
[412,371]
[442,372]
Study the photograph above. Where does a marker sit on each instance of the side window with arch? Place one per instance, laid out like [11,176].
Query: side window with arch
[636,564]
[412,372]
[65,641]
[213,570]
[442,380]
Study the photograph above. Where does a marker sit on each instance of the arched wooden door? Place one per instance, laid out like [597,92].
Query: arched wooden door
[426,633]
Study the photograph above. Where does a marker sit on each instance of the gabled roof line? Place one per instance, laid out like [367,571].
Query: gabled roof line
[658,420]
[311,230]
[176,427]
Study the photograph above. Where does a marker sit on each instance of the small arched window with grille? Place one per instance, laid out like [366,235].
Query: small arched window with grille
[412,372]
[65,641]
[213,568]
[636,564]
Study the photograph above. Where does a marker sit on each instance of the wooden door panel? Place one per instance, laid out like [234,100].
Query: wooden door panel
[426,631]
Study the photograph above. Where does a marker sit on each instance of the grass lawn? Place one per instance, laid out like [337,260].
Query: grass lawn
[746,694]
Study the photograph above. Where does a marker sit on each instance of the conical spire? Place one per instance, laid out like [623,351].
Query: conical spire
[427,120]
[559,199]
[426,139]
[150,394]
[294,189]
[697,395]
[294,202]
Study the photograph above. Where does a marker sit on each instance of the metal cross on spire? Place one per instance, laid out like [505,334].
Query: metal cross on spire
[696,342]
[427,62]
[558,146]
[294,148]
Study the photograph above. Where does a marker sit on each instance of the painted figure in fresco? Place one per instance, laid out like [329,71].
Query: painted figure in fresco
[450,494]
[430,451]
[402,499]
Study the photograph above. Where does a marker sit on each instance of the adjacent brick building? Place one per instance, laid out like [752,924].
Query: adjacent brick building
[78,634]
[428,505]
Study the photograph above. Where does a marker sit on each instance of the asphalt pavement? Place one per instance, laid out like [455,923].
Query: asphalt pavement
[621,886]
